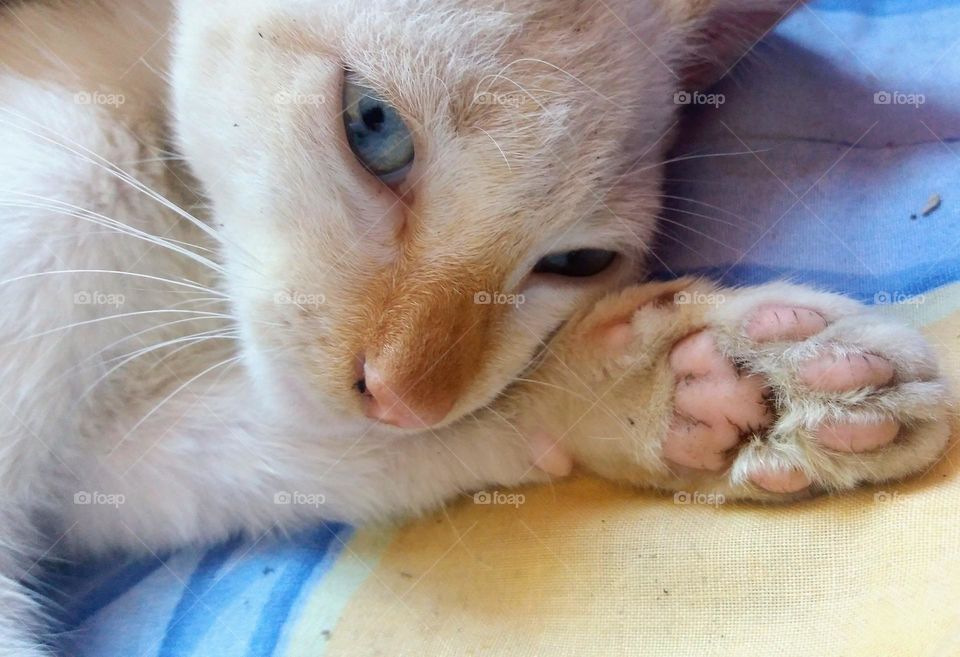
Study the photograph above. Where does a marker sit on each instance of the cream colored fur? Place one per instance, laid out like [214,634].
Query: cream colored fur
[162,205]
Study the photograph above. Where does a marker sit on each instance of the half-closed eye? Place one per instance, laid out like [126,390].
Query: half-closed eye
[581,263]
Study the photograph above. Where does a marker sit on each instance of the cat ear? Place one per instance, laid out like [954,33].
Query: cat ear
[721,32]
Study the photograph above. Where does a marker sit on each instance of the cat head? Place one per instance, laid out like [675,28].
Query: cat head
[412,195]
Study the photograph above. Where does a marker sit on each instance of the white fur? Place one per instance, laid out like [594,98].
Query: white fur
[198,438]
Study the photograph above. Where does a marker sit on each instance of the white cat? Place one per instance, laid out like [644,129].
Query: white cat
[363,251]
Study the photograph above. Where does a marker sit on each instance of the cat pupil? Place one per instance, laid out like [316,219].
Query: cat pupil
[374,118]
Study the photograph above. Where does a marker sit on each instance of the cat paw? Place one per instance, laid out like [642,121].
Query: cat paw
[770,393]
[789,391]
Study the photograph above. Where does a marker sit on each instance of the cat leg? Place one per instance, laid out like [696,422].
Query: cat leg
[767,393]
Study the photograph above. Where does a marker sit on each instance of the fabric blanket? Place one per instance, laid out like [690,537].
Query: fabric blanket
[842,135]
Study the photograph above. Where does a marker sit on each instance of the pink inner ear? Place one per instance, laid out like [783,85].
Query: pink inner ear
[727,33]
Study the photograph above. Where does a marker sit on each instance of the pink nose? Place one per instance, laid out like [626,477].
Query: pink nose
[384,404]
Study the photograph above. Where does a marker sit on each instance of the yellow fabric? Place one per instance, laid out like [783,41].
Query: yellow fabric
[585,568]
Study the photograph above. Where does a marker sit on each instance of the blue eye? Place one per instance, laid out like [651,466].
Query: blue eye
[377,135]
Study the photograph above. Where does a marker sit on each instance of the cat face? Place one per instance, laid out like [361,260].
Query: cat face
[523,142]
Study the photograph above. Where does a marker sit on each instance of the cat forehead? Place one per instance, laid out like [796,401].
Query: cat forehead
[539,85]
[493,76]
[451,42]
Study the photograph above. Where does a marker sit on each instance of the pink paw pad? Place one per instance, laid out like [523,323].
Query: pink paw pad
[716,408]
[714,405]
[854,438]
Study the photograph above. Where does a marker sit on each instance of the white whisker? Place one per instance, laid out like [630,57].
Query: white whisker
[694,201]
[113,170]
[203,301]
[676,241]
[165,357]
[504,155]
[700,215]
[117,343]
[160,279]
[98,320]
[173,394]
[555,386]
[128,358]
[96,218]
[702,234]
[688,158]
[559,69]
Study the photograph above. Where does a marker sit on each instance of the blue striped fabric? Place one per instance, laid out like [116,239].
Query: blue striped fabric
[232,600]
[883,7]
[828,196]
